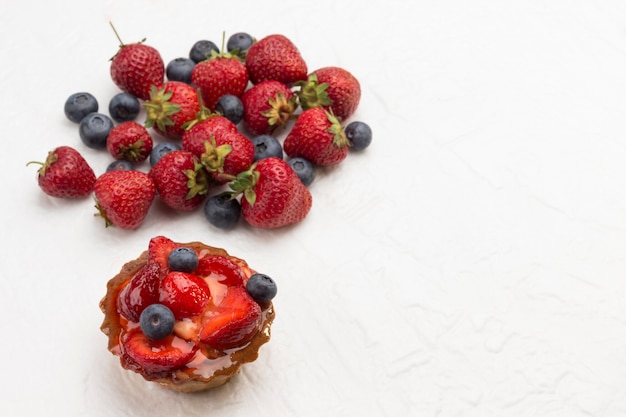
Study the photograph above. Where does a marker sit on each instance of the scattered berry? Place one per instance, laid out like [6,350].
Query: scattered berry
[65,174]
[266,146]
[161,149]
[124,107]
[359,134]
[261,288]
[171,106]
[79,105]
[157,321]
[222,211]
[275,57]
[129,141]
[201,50]
[179,69]
[183,259]
[230,107]
[94,130]
[304,169]
[240,41]
[120,165]
[333,88]
[268,106]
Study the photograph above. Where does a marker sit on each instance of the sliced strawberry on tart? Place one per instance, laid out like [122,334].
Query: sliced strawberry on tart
[187,315]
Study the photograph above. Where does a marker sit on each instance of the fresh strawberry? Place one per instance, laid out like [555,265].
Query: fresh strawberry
[129,141]
[233,322]
[268,106]
[228,272]
[141,291]
[222,149]
[219,75]
[185,294]
[181,180]
[273,195]
[171,107]
[65,174]
[151,357]
[333,88]
[136,67]
[318,137]
[123,198]
[275,57]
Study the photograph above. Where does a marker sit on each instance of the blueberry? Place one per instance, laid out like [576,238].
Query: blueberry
[162,149]
[201,50]
[241,41]
[157,321]
[222,211]
[179,69]
[304,169]
[120,165]
[182,259]
[266,146]
[230,107]
[94,130]
[124,107]
[79,105]
[261,288]
[359,134]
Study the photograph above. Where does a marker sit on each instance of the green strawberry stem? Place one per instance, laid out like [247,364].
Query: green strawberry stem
[203,114]
[337,130]
[50,159]
[197,181]
[244,184]
[159,108]
[214,156]
[281,110]
[312,93]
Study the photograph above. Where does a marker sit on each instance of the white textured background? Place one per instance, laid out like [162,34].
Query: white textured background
[472,262]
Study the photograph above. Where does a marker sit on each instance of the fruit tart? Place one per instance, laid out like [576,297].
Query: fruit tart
[186,315]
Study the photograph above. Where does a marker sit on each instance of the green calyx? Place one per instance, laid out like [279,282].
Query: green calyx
[197,181]
[214,156]
[312,93]
[337,130]
[133,152]
[50,159]
[280,111]
[244,184]
[159,109]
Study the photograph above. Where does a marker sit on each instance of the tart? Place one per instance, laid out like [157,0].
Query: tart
[187,315]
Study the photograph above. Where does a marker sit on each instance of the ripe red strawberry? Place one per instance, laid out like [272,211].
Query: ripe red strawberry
[234,321]
[268,106]
[275,57]
[220,74]
[273,195]
[65,174]
[317,136]
[222,149]
[136,67]
[123,198]
[129,141]
[230,273]
[159,249]
[141,291]
[180,179]
[185,294]
[333,88]
[172,105]
[153,356]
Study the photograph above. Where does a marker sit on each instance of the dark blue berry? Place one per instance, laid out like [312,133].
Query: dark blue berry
[304,169]
[359,134]
[156,321]
[161,149]
[183,259]
[79,105]
[124,107]
[261,288]
[120,165]
[266,146]
[240,41]
[230,107]
[222,211]
[201,50]
[94,130]
[179,69]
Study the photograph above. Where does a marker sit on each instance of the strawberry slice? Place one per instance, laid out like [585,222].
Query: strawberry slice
[159,249]
[233,322]
[154,356]
[229,273]
[141,291]
[185,294]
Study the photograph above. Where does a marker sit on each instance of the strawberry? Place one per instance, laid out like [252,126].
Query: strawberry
[222,149]
[136,67]
[65,174]
[129,141]
[185,294]
[140,292]
[159,249]
[275,57]
[172,105]
[123,198]
[180,179]
[273,195]
[233,322]
[219,75]
[229,272]
[318,137]
[268,106]
[151,357]
[333,88]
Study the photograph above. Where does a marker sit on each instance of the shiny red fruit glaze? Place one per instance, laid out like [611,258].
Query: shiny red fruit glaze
[229,273]
[141,291]
[185,294]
